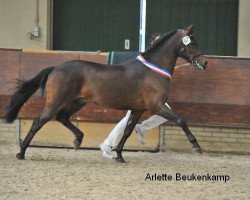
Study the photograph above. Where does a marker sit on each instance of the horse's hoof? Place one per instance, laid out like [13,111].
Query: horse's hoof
[120,159]
[76,144]
[197,150]
[20,156]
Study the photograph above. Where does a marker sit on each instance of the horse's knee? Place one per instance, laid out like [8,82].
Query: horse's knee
[127,132]
[181,122]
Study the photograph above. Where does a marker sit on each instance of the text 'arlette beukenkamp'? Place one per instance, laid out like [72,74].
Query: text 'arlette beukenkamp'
[186,177]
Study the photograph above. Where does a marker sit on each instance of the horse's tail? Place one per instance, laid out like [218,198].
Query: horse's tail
[24,91]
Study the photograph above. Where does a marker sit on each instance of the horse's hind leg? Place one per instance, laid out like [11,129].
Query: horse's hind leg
[170,115]
[132,121]
[44,117]
[64,115]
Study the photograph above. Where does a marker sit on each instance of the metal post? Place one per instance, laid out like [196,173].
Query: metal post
[142,25]
[161,137]
[18,130]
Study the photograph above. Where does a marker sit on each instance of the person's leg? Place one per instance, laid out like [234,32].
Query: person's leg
[142,129]
[114,137]
[154,121]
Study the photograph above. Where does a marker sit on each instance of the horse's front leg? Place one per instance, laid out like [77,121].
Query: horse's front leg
[132,121]
[167,113]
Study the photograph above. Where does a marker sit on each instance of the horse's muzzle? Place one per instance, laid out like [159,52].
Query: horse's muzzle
[200,64]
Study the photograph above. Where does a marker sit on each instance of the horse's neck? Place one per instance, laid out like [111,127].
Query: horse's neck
[165,61]
[164,58]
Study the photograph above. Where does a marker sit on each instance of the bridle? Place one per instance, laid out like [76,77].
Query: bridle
[184,49]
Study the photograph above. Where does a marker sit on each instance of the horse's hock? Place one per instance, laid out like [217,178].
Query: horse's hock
[216,103]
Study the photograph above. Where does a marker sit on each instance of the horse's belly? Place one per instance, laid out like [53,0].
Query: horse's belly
[122,95]
[121,102]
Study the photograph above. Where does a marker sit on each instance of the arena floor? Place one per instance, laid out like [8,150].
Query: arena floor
[85,174]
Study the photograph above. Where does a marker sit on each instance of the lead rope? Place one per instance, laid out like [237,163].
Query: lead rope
[182,65]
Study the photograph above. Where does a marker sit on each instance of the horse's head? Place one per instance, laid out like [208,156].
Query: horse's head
[188,49]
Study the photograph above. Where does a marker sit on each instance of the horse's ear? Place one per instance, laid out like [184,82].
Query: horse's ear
[189,29]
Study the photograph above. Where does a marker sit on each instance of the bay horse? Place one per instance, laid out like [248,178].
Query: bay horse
[141,84]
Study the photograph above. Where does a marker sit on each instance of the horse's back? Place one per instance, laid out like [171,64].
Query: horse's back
[73,76]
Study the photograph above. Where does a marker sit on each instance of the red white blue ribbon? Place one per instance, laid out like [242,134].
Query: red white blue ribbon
[163,72]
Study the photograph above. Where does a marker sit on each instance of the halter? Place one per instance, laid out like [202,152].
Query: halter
[162,72]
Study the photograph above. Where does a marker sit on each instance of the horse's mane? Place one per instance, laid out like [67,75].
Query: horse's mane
[165,37]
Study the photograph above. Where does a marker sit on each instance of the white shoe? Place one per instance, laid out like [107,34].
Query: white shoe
[140,134]
[106,151]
